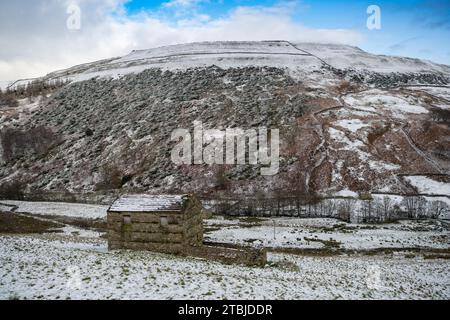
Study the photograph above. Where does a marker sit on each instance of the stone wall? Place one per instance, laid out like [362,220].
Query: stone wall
[88,197]
[246,256]
[144,232]
[193,222]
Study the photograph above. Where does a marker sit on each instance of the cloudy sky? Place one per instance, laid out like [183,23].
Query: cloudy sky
[40,36]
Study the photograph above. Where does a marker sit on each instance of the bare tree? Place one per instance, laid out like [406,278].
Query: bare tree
[296,185]
[328,208]
[345,209]
[422,208]
[387,208]
[410,202]
[436,208]
[367,207]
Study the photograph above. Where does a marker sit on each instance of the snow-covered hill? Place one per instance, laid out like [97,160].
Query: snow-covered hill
[299,58]
[350,121]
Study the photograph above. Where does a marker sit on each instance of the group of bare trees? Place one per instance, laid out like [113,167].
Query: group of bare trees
[365,209]
[35,88]
[418,207]
[411,207]
[306,207]
[378,210]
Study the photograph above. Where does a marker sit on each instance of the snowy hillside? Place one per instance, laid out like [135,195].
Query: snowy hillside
[350,122]
[347,57]
[298,58]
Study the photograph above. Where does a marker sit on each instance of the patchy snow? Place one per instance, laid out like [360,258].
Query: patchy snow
[5,207]
[341,137]
[381,166]
[378,101]
[77,210]
[352,125]
[443,106]
[293,62]
[355,145]
[346,193]
[13,116]
[356,102]
[27,105]
[80,232]
[37,268]
[428,185]
[441,92]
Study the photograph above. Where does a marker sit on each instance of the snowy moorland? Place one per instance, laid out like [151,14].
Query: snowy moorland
[88,211]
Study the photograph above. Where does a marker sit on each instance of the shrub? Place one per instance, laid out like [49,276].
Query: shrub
[365,196]
[17,143]
[111,178]
[8,101]
[220,178]
[89,132]
[377,133]
[13,190]
[345,87]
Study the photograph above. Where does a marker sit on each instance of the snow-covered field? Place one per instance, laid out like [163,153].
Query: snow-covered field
[323,233]
[36,268]
[429,186]
[76,264]
[74,210]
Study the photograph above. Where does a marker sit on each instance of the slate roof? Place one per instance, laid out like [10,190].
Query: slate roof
[148,203]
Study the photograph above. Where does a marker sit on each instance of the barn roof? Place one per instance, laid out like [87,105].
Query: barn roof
[148,203]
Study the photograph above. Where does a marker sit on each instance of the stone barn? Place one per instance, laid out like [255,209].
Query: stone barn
[163,223]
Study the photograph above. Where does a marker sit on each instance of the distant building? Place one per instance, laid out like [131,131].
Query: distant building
[163,223]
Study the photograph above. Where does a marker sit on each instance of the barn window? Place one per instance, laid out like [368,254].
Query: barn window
[164,222]
[126,220]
